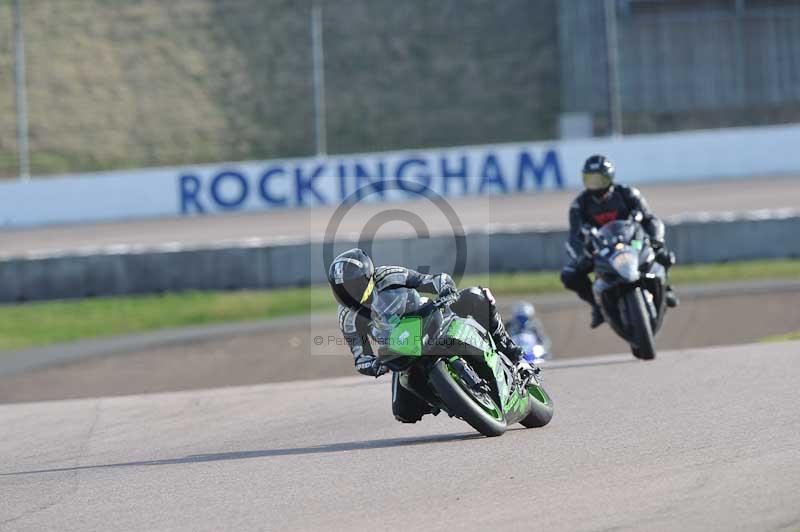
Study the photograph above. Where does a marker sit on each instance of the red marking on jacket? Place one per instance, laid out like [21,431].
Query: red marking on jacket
[605,217]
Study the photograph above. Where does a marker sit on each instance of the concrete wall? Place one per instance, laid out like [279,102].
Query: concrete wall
[248,267]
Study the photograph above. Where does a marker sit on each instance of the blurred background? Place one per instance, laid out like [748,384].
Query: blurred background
[94,85]
[90,86]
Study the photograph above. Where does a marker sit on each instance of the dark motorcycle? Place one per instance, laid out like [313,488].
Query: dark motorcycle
[629,284]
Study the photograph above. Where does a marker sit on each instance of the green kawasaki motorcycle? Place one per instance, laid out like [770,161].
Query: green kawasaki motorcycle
[452,364]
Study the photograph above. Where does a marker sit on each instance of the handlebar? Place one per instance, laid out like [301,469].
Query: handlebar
[591,235]
[439,303]
[590,230]
[446,301]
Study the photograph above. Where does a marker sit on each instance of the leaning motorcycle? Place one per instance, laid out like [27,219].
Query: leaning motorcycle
[453,365]
[629,284]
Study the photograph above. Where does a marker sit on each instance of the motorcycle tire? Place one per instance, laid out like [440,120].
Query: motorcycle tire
[541,408]
[488,420]
[640,322]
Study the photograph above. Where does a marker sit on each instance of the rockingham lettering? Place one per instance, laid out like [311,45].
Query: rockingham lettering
[310,182]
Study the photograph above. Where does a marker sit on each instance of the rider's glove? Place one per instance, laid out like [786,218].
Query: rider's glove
[445,286]
[370,366]
[449,291]
[664,256]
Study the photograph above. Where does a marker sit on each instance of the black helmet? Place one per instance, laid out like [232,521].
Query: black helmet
[598,174]
[350,277]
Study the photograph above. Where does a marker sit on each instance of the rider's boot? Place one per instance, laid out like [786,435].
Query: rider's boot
[671,298]
[485,311]
[516,355]
[514,352]
[667,259]
[526,371]
[407,407]
[597,317]
[500,335]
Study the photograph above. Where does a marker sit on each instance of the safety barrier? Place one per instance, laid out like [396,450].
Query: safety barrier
[699,239]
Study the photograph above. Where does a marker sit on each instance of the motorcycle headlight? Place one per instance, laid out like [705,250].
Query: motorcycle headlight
[627,265]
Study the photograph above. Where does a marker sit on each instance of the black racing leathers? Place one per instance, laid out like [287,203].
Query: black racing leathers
[355,325]
[621,202]
[587,210]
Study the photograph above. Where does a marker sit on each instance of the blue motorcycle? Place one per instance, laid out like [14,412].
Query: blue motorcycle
[528,333]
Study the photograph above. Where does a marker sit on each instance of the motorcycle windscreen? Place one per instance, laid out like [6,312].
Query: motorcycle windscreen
[618,231]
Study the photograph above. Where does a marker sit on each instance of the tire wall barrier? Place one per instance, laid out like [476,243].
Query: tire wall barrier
[694,241]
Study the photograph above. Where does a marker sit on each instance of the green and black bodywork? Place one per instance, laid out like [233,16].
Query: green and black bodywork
[451,363]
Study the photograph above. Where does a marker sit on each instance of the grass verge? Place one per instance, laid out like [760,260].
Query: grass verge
[781,338]
[37,324]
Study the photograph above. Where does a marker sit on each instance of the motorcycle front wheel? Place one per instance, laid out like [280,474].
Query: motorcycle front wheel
[639,320]
[541,407]
[478,409]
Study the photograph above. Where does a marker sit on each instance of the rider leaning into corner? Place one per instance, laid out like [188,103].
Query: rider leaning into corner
[604,201]
[355,281]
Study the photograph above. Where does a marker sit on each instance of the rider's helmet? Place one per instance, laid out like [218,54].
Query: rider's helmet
[598,175]
[522,313]
[350,277]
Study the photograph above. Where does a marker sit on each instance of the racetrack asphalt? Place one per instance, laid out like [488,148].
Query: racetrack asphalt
[541,210]
[702,439]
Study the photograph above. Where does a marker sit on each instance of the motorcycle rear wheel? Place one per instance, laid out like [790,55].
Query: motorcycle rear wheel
[487,419]
[640,323]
